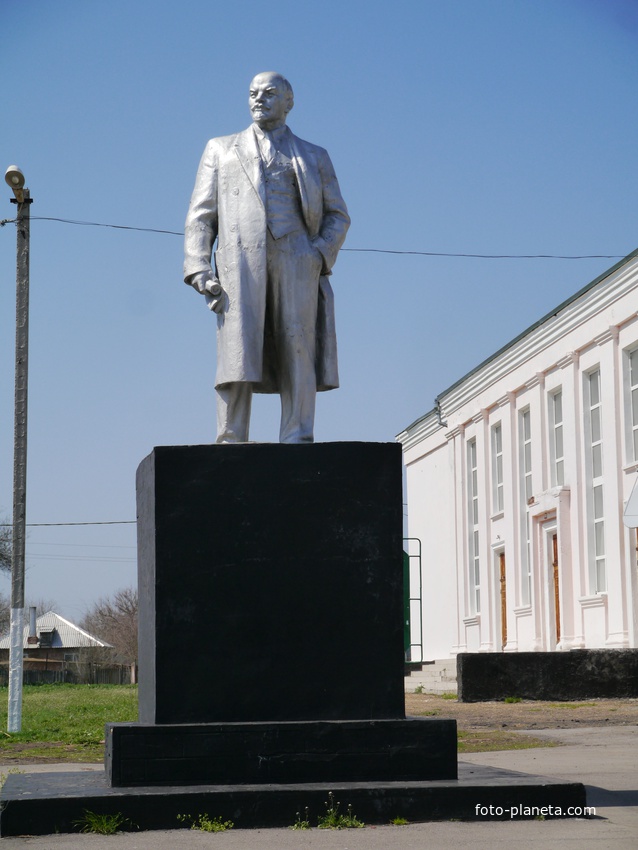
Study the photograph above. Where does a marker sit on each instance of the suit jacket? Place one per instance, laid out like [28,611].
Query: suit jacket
[228,205]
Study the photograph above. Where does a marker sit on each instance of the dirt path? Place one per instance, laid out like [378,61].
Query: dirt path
[527,714]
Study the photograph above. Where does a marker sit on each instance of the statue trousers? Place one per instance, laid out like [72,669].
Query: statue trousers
[293,269]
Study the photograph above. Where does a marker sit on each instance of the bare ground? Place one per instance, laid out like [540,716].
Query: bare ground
[52,752]
[527,714]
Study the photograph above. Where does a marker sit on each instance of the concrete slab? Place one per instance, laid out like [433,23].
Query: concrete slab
[49,803]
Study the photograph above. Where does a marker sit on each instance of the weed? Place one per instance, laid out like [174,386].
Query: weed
[334,819]
[513,699]
[399,821]
[573,705]
[420,689]
[449,695]
[204,823]
[102,824]
[302,824]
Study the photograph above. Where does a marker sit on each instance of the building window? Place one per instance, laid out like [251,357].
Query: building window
[556,438]
[594,442]
[497,469]
[633,403]
[473,528]
[527,491]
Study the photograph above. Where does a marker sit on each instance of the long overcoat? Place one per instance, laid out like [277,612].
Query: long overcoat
[228,206]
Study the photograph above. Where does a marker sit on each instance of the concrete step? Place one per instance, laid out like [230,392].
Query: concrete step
[438,676]
[430,687]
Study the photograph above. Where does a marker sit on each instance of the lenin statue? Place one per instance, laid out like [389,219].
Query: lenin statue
[269,205]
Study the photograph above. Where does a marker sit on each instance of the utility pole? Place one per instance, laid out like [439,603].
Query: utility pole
[15,179]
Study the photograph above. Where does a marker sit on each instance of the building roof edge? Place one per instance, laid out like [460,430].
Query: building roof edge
[538,323]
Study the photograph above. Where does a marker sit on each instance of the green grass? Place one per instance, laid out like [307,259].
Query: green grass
[492,740]
[65,722]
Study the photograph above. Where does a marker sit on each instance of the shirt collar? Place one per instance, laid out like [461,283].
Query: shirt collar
[275,135]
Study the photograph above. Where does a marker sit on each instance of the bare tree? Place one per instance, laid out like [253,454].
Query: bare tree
[114,620]
[42,606]
[5,614]
[5,545]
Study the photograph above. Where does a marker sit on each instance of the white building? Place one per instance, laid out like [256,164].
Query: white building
[517,481]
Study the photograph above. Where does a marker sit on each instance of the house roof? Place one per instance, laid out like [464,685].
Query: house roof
[435,411]
[65,635]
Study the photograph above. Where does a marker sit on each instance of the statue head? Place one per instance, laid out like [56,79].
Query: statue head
[270,99]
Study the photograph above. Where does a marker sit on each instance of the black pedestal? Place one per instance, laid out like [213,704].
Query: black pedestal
[410,750]
[271,622]
[270,581]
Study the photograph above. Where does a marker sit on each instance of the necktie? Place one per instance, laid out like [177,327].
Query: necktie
[268,150]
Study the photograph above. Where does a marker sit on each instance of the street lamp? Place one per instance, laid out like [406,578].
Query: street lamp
[15,179]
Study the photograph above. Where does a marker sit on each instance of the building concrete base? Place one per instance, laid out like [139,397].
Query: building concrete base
[574,675]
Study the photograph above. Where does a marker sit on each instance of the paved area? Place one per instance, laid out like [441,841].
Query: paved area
[604,759]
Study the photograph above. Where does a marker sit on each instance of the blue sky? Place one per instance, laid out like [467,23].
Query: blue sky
[455,126]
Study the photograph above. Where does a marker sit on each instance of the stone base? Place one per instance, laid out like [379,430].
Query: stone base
[40,804]
[573,675]
[250,753]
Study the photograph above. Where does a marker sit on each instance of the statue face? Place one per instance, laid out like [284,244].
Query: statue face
[268,100]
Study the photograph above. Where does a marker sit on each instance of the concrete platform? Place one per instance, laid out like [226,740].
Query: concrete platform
[40,804]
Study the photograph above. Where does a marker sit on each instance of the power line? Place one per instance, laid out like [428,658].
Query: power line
[109,522]
[491,256]
[351,250]
[114,226]
[82,558]
[80,545]
[57,524]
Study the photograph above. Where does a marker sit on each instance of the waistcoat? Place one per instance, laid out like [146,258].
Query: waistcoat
[283,202]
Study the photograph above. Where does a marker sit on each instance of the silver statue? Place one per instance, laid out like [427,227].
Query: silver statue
[272,202]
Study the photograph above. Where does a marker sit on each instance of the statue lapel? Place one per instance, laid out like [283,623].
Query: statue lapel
[309,184]
[247,151]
